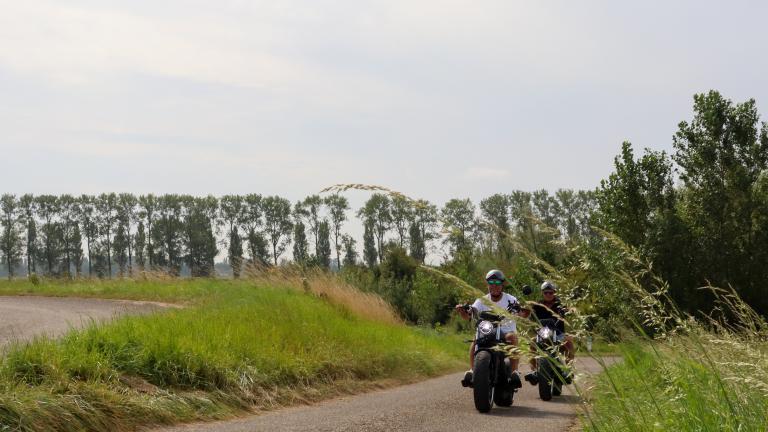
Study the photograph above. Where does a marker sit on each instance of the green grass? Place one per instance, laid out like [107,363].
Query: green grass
[236,346]
[698,382]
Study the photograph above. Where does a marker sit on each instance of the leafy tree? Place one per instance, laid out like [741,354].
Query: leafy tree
[426,220]
[167,233]
[459,219]
[495,214]
[106,207]
[278,225]
[370,254]
[232,211]
[140,242]
[337,207]
[120,249]
[48,209]
[28,205]
[417,246]
[252,221]
[69,209]
[76,249]
[300,245]
[10,238]
[377,214]
[324,245]
[127,217]
[722,153]
[87,218]
[402,215]
[309,209]
[199,234]
[148,205]
[350,253]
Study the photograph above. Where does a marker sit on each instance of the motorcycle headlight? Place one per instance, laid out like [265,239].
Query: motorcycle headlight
[546,333]
[485,328]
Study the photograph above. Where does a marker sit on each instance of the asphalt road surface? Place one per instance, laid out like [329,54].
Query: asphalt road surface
[22,317]
[439,404]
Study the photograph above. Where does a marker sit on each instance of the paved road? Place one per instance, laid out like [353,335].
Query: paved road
[22,317]
[439,404]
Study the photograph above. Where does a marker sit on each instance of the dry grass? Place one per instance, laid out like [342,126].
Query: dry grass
[326,286]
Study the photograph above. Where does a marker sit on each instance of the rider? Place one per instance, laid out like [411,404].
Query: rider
[495,280]
[550,308]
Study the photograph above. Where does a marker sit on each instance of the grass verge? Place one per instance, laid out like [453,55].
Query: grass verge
[239,345]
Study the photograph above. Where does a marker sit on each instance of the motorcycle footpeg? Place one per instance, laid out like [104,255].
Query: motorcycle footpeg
[532,377]
[467,380]
[515,381]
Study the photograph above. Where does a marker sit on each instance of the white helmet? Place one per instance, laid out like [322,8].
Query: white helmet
[547,285]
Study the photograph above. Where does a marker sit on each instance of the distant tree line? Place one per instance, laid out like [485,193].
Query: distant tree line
[121,234]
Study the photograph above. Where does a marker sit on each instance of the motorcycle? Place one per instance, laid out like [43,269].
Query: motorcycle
[551,372]
[492,377]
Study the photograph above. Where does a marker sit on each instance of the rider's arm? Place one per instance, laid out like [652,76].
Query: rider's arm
[462,312]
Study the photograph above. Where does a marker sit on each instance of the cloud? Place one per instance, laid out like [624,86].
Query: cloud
[482,173]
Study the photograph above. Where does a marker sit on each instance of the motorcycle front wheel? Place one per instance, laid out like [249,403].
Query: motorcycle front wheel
[546,380]
[481,382]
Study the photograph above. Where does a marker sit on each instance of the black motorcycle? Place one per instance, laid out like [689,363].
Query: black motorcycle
[551,373]
[492,377]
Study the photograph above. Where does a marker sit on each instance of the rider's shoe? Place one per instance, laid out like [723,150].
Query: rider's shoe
[515,379]
[467,380]
[532,377]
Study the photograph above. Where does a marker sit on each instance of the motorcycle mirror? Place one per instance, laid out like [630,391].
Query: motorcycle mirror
[527,290]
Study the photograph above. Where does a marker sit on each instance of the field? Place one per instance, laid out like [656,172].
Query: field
[235,346]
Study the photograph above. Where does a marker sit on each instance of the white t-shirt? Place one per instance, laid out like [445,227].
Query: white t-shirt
[507,302]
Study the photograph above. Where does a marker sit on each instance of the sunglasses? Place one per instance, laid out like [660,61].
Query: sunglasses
[495,282]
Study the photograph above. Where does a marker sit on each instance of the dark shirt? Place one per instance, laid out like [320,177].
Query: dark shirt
[540,312]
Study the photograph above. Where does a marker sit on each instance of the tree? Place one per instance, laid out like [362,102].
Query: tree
[252,220]
[10,238]
[120,249]
[300,245]
[722,153]
[199,234]
[402,215]
[106,208]
[350,253]
[69,208]
[278,225]
[309,209]
[148,205]
[88,220]
[459,220]
[495,214]
[324,245]
[232,211]
[370,254]
[28,204]
[337,207]
[167,233]
[417,246]
[127,217]
[76,251]
[425,218]
[140,242]
[48,209]
[377,214]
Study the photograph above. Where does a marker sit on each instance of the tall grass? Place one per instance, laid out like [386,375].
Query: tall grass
[237,346]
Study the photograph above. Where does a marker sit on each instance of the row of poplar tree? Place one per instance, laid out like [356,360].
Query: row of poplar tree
[118,234]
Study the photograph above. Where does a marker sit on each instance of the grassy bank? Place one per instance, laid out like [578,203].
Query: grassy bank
[700,381]
[237,345]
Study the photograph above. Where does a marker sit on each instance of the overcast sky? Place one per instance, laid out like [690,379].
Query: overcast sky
[437,99]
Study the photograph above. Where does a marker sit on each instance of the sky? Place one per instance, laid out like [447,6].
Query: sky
[436,99]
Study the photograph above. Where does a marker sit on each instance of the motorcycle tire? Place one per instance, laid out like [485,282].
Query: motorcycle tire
[557,389]
[545,380]
[503,395]
[482,389]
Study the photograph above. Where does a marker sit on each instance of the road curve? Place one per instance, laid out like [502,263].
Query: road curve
[438,404]
[23,317]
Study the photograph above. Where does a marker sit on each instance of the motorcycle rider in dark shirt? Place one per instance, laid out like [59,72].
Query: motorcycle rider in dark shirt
[550,308]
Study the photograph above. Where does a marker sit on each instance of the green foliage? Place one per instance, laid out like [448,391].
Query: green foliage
[241,342]
[324,245]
